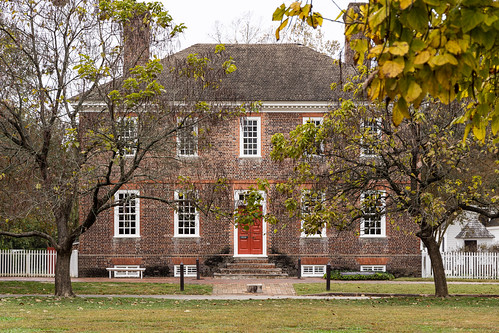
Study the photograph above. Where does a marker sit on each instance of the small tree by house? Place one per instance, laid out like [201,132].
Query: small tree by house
[85,115]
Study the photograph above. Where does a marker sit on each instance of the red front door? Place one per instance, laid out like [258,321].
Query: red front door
[250,241]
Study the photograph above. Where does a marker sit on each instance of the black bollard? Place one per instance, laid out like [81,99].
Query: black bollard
[181,276]
[328,277]
[198,275]
[299,268]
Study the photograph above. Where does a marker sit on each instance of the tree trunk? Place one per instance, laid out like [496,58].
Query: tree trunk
[63,286]
[437,265]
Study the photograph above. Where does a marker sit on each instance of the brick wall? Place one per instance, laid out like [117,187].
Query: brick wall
[158,250]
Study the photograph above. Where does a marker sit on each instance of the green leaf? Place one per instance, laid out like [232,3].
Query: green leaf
[470,19]
[417,19]
[494,124]
[417,45]
[378,17]
[279,13]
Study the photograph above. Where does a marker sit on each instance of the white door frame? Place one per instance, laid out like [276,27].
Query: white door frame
[264,228]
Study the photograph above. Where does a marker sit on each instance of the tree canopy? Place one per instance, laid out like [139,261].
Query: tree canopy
[444,50]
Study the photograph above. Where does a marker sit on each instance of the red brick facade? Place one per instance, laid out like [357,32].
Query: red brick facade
[157,249]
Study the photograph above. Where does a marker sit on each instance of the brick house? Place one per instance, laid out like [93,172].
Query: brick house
[293,84]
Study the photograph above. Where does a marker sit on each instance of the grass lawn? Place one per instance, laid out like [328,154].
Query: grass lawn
[394,288]
[32,314]
[102,288]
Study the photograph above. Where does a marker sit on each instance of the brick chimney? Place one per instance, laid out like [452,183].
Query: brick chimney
[349,53]
[136,40]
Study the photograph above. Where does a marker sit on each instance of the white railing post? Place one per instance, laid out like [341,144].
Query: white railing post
[73,270]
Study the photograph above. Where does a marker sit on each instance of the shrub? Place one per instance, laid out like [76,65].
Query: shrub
[337,275]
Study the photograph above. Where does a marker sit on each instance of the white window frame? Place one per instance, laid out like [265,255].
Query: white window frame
[323,230]
[131,274]
[189,271]
[177,220]
[317,121]
[364,152]
[129,135]
[117,214]
[194,134]
[258,136]
[373,268]
[382,217]
[313,270]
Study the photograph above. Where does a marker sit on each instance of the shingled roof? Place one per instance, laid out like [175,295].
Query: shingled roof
[474,229]
[271,72]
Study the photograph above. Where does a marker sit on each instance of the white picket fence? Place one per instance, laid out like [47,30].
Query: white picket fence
[465,265]
[33,263]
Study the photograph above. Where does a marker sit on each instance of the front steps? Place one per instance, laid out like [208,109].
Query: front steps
[254,268]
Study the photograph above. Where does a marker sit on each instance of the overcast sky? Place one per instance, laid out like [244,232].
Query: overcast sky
[200,15]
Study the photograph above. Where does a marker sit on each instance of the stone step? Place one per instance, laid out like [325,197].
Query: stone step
[250,271]
[251,260]
[249,276]
[250,268]
[250,265]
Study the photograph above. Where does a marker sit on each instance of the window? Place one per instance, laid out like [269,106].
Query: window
[189,271]
[126,273]
[186,216]
[313,270]
[371,136]
[127,137]
[250,137]
[373,223]
[127,214]
[187,139]
[373,268]
[470,246]
[317,121]
[309,202]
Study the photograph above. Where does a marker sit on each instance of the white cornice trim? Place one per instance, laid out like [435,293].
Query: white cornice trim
[293,107]
[267,106]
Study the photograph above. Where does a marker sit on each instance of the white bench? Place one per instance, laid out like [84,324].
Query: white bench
[126,269]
